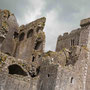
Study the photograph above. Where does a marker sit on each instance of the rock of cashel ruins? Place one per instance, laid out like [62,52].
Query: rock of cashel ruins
[24,65]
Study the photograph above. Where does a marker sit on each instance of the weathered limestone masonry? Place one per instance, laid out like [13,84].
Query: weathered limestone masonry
[25,66]
[31,40]
[80,71]
[76,37]
[8,27]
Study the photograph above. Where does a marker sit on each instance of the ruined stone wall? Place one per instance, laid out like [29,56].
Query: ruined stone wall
[76,37]
[53,75]
[33,69]
[9,26]
[78,76]
[24,41]
[31,39]
[68,40]
[87,65]
[8,23]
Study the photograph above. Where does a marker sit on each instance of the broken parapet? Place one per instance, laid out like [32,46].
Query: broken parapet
[85,22]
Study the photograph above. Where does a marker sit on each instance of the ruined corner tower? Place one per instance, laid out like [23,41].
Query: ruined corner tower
[78,37]
[23,42]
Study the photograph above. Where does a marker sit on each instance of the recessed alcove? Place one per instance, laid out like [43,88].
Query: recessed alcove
[21,37]
[37,45]
[30,33]
[16,69]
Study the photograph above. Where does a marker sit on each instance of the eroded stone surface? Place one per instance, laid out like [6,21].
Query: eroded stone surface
[25,66]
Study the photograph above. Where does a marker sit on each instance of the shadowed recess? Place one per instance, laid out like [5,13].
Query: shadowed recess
[30,33]
[16,69]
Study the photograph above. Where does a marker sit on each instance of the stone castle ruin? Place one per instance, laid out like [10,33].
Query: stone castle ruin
[25,66]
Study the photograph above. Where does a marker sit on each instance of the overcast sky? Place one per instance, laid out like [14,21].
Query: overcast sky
[62,15]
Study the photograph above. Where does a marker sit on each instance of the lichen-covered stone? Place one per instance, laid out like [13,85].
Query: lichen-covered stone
[25,66]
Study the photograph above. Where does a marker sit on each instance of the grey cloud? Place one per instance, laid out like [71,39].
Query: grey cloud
[18,7]
[68,14]
[66,9]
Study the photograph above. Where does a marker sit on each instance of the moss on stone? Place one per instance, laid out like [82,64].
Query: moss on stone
[85,47]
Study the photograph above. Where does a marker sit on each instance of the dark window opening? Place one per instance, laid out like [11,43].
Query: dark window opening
[71,79]
[33,58]
[16,69]
[21,37]
[38,44]
[48,75]
[30,33]
[8,53]
[15,35]
[72,42]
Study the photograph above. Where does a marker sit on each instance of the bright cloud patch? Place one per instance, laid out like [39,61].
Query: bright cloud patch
[62,15]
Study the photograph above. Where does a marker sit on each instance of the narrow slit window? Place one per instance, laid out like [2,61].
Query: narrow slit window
[71,79]
[33,58]
[72,42]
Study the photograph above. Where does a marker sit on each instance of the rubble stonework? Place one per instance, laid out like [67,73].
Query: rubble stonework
[25,66]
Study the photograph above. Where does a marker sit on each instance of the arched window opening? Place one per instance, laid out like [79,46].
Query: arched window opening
[21,37]
[16,69]
[30,33]
[37,45]
[15,35]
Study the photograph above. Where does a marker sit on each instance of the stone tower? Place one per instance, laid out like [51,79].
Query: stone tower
[79,37]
